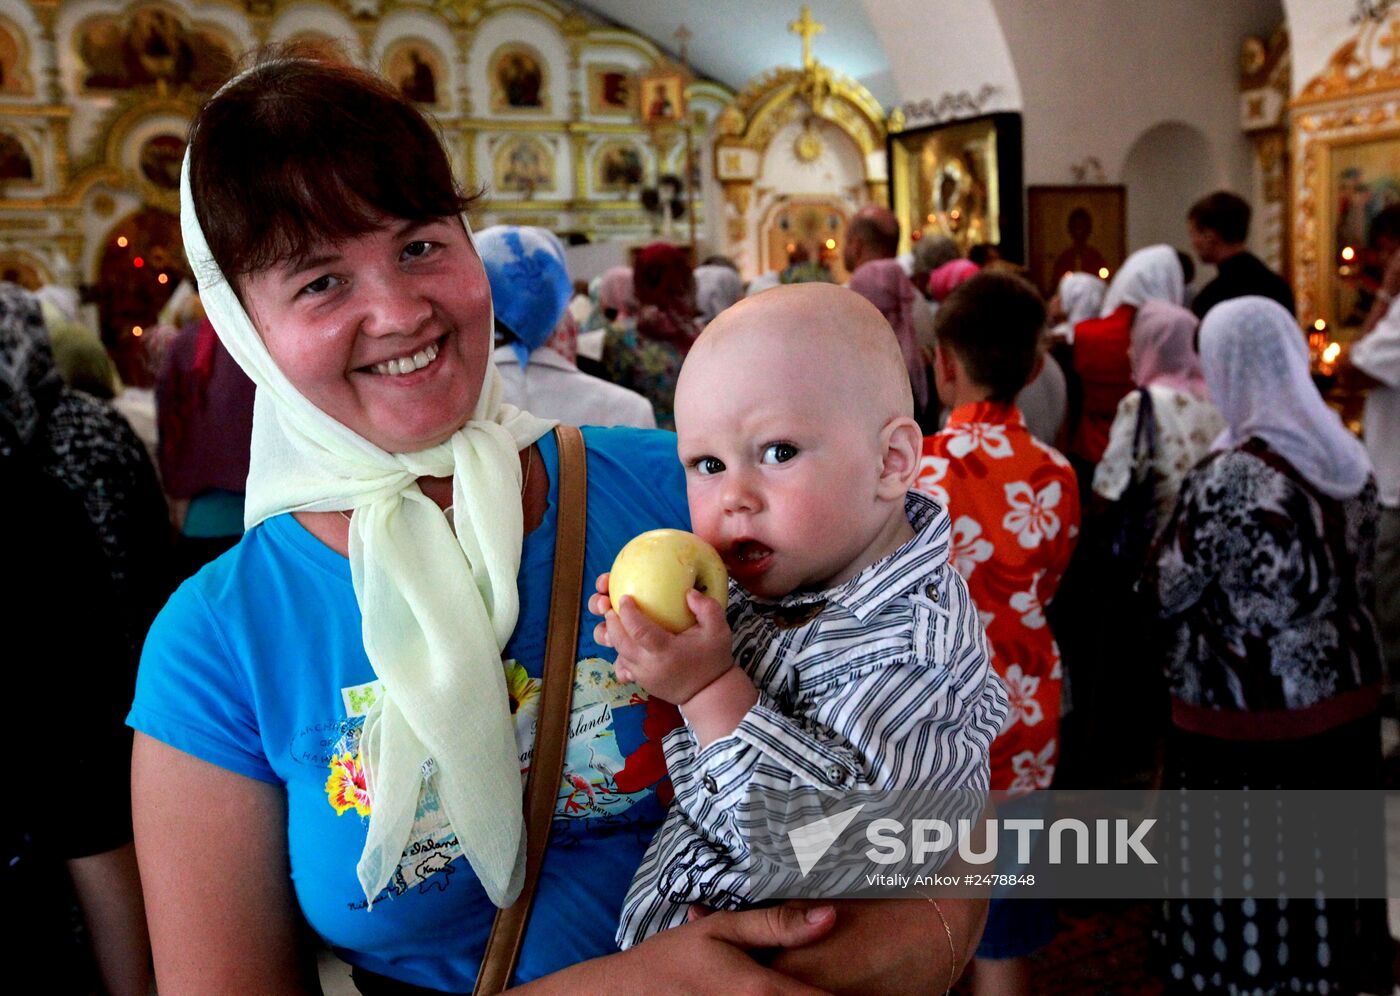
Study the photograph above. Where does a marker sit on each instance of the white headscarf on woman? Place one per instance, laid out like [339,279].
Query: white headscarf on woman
[1151,274]
[1081,295]
[1256,364]
[437,608]
[716,288]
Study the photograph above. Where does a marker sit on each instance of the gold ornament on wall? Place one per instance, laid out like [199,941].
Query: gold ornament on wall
[808,147]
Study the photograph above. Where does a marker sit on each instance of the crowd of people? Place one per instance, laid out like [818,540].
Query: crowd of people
[1125,536]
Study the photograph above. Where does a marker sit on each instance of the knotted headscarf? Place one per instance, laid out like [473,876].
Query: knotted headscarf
[437,608]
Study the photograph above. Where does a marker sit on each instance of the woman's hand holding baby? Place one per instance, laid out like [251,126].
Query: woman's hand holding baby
[693,669]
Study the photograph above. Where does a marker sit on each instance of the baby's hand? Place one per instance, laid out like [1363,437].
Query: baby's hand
[669,666]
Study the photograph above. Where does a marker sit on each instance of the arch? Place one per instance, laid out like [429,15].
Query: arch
[1167,167]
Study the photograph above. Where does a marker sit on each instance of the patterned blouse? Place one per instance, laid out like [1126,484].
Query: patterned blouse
[1015,507]
[1266,584]
[645,365]
[1186,426]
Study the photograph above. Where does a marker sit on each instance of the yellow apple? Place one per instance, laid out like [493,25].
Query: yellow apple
[658,567]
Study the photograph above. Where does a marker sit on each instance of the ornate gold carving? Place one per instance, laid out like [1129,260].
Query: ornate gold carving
[1315,135]
[1368,63]
[808,147]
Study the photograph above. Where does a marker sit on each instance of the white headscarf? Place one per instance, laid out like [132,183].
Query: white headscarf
[716,288]
[1256,364]
[1151,274]
[1081,295]
[437,608]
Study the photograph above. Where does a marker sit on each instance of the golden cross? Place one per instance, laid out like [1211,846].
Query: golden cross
[806,27]
[1392,41]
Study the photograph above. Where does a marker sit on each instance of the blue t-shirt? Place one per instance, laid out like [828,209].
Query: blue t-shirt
[257,665]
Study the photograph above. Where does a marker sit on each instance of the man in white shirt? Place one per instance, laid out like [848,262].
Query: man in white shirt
[1373,363]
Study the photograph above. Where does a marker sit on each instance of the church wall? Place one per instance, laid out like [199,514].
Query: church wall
[1098,76]
[1317,28]
[1092,79]
[947,57]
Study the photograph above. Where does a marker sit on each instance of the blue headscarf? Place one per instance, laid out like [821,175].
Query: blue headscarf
[530,285]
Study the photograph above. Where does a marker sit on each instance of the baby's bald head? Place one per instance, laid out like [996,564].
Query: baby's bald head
[826,342]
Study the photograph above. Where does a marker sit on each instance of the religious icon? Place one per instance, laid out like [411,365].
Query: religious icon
[524,165]
[1364,180]
[415,69]
[160,159]
[15,163]
[619,168]
[517,79]
[610,89]
[151,44]
[948,180]
[1076,229]
[803,239]
[662,99]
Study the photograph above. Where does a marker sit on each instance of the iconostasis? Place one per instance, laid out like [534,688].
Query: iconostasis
[539,105]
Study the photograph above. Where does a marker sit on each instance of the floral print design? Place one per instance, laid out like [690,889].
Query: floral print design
[345,788]
[932,470]
[1186,427]
[1015,509]
[970,548]
[1020,691]
[1032,517]
[967,437]
[645,365]
[1266,584]
[1033,769]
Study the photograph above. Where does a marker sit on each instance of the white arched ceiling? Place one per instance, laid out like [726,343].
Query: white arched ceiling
[941,49]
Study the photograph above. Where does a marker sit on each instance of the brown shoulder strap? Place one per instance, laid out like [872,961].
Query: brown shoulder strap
[552,726]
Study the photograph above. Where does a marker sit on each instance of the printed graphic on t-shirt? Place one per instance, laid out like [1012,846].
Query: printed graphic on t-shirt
[613,762]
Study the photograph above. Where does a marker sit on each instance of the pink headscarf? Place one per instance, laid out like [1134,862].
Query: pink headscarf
[944,280]
[884,284]
[1161,349]
[615,291]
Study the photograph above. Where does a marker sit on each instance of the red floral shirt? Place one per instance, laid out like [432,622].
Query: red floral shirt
[1014,504]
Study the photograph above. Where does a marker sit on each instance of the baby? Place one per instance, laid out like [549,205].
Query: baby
[852,657]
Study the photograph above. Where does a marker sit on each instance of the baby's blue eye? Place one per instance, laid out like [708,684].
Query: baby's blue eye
[708,465]
[779,453]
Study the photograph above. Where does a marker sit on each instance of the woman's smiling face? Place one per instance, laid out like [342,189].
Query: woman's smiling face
[387,333]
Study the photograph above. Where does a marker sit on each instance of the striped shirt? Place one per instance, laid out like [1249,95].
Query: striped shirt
[882,683]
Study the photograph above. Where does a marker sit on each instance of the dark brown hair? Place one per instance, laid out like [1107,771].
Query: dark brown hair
[299,151]
[1223,213]
[993,323]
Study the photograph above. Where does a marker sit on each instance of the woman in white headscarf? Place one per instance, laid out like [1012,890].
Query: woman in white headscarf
[716,288]
[334,717]
[1264,579]
[1101,345]
[1078,297]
